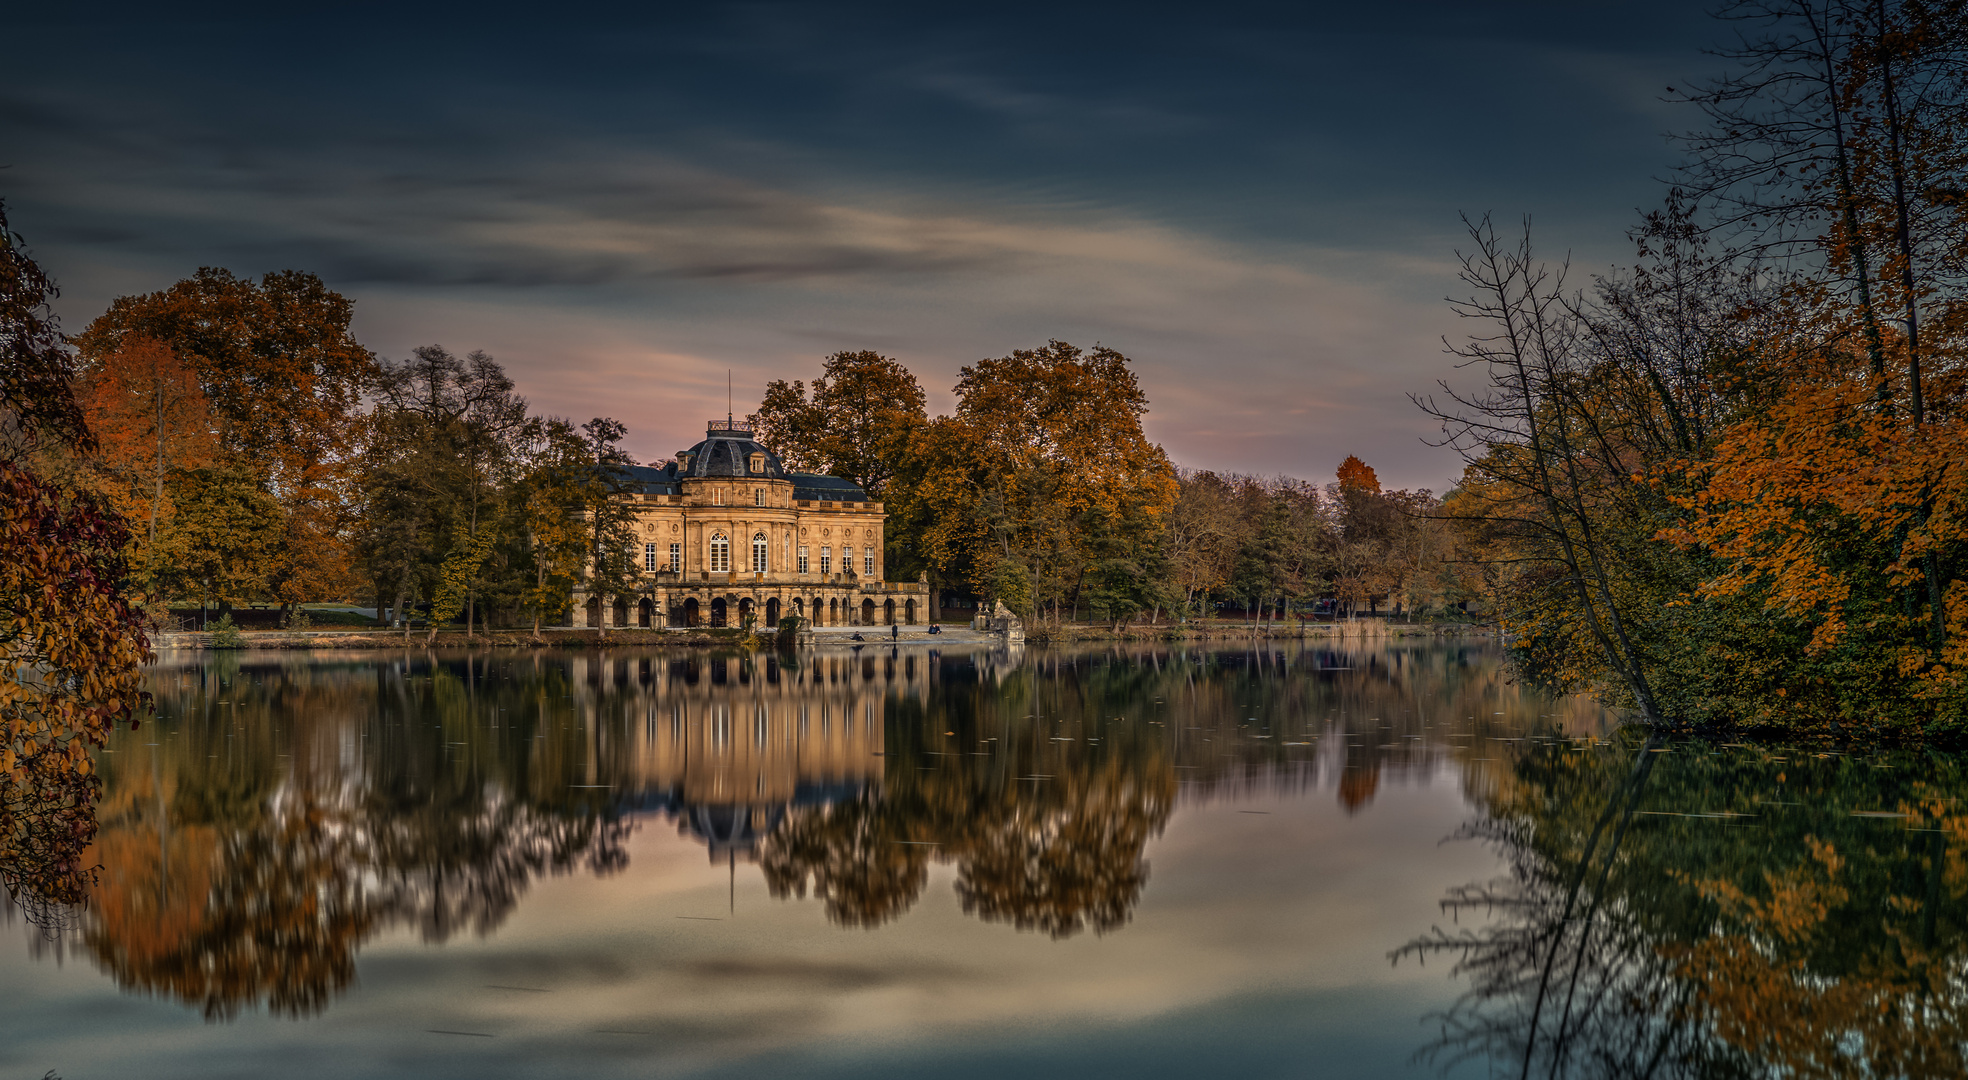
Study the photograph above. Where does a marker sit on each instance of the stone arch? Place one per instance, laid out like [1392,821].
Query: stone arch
[833,612]
[745,609]
[621,612]
[888,612]
[718,612]
[645,612]
[693,612]
[594,611]
[868,612]
[909,613]
[772,613]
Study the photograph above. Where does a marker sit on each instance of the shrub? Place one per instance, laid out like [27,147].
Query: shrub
[225,635]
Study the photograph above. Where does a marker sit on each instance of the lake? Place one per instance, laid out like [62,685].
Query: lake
[1379,860]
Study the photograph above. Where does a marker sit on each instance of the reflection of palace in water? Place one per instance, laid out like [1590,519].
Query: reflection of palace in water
[726,745]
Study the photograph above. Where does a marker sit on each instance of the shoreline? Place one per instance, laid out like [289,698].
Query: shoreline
[584,638]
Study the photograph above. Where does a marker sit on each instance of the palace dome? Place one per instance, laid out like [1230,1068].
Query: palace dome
[728,450]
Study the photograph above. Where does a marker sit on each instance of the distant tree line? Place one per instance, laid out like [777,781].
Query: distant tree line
[262,455]
[1042,491]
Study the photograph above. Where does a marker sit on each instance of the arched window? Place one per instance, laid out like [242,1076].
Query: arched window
[758,553]
[720,554]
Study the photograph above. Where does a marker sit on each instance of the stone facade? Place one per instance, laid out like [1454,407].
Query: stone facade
[725,531]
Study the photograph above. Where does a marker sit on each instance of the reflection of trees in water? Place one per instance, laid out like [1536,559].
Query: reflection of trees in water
[853,855]
[245,862]
[1067,864]
[296,808]
[1377,712]
[1086,753]
[447,872]
[1721,915]
[1059,856]
[269,912]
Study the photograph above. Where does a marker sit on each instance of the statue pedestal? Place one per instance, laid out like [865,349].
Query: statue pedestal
[1004,624]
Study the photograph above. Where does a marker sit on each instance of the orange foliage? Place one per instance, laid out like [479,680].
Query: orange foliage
[71,657]
[281,380]
[1824,499]
[150,419]
[1357,475]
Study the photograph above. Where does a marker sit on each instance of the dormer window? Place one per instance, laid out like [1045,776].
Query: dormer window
[683,462]
[758,463]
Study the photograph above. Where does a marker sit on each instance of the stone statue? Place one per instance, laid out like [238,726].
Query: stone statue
[1006,624]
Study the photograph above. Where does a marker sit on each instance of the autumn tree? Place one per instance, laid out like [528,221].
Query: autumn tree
[283,379]
[855,422]
[1543,472]
[1840,138]
[152,425]
[1044,446]
[1836,142]
[1383,546]
[72,645]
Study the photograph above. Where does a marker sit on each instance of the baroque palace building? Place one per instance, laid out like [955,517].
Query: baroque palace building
[726,531]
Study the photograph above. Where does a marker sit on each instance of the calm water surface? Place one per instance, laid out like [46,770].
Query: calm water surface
[1390,861]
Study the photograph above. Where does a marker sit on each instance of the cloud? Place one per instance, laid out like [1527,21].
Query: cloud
[625,278]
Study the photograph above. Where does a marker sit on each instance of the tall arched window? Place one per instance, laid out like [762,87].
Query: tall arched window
[758,554]
[720,554]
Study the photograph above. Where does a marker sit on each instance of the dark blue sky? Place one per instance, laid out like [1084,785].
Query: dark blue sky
[1256,202]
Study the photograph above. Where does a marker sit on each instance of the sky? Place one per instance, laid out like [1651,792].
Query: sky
[1259,204]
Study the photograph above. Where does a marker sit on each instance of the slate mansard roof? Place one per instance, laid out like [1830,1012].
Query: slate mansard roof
[727,452]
